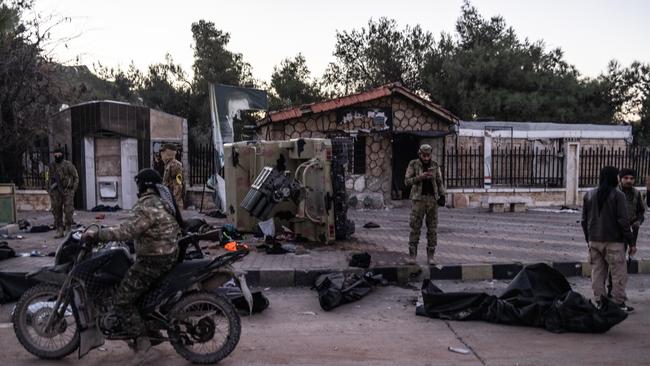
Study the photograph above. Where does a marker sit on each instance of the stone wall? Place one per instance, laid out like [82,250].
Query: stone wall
[373,189]
[459,198]
[32,200]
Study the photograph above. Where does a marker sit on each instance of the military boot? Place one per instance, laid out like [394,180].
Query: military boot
[59,233]
[413,253]
[431,252]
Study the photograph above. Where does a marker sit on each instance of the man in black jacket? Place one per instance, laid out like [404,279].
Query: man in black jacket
[606,226]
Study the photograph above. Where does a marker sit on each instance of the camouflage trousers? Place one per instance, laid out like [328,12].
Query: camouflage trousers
[62,204]
[425,208]
[177,191]
[139,280]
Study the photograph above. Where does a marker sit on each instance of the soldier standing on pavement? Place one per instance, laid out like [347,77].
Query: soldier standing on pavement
[635,205]
[173,176]
[427,193]
[155,228]
[635,208]
[607,231]
[63,181]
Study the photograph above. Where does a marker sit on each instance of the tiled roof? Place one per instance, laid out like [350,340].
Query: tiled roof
[348,100]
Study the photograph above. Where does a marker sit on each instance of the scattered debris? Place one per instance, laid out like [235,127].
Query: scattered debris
[462,351]
[336,289]
[23,225]
[100,217]
[308,313]
[6,251]
[360,260]
[216,214]
[105,208]
[371,225]
[41,228]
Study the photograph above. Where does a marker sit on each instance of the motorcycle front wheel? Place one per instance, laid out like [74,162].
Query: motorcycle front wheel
[30,318]
[204,328]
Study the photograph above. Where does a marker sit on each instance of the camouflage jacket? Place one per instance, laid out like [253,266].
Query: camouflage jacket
[635,206]
[413,172]
[63,174]
[173,176]
[152,226]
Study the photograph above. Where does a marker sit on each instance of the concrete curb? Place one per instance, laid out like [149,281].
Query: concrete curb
[409,273]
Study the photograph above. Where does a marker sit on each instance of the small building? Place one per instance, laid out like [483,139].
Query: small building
[109,142]
[387,125]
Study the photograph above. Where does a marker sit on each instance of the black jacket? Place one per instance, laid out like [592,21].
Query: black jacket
[612,223]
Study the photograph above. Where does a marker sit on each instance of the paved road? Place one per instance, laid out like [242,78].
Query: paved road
[381,329]
[466,236]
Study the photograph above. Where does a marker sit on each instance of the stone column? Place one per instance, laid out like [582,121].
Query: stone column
[571,170]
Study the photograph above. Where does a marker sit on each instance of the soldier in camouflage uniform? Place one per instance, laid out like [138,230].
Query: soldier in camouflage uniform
[635,206]
[427,193]
[155,228]
[173,176]
[63,182]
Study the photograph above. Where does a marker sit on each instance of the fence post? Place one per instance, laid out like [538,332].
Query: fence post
[571,173]
[487,159]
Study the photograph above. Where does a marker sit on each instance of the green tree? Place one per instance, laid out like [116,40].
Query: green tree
[377,55]
[486,71]
[213,63]
[29,93]
[292,84]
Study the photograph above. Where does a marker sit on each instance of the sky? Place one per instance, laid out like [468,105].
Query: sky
[118,32]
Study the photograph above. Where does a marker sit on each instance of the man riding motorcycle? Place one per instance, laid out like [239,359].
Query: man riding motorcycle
[155,228]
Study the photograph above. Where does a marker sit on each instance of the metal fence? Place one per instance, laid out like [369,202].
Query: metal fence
[34,164]
[201,159]
[527,167]
[463,168]
[593,159]
[511,167]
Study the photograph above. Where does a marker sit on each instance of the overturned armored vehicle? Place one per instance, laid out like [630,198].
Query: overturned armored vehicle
[299,184]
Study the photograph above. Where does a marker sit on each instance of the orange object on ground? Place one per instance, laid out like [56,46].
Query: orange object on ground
[234,246]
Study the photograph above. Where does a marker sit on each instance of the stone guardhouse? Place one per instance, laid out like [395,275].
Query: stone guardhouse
[109,142]
[386,124]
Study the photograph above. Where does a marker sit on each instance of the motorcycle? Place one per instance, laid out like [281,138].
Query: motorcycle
[70,308]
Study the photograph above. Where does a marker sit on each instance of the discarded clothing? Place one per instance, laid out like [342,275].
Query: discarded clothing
[40,229]
[23,225]
[229,233]
[234,294]
[336,289]
[6,251]
[371,225]
[105,208]
[216,214]
[539,296]
[13,285]
[196,225]
[360,260]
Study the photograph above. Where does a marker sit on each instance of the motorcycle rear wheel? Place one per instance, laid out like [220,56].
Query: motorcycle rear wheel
[205,328]
[29,318]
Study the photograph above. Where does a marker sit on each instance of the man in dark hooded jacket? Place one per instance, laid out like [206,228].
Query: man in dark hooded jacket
[606,226]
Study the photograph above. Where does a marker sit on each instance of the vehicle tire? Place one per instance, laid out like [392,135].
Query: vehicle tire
[30,314]
[194,306]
